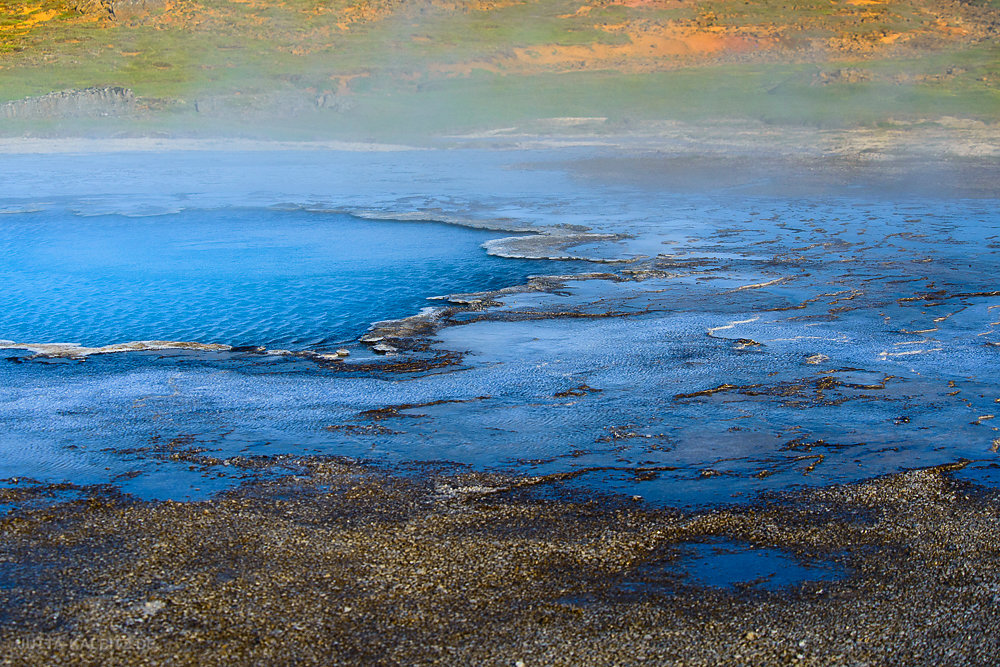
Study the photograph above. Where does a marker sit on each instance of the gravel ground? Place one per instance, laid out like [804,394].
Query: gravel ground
[346,564]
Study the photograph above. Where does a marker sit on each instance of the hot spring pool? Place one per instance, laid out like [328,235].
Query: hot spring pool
[237,276]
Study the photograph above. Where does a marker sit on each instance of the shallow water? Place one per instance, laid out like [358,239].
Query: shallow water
[727,564]
[781,342]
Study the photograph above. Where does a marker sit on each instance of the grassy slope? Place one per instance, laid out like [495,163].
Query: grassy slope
[425,66]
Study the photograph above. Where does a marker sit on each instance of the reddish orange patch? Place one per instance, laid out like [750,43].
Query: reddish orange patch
[462,69]
[649,47]
[650,4]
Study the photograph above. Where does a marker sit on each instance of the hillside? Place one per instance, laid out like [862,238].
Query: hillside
[387,67]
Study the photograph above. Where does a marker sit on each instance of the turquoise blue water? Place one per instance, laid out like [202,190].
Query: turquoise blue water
[239,276]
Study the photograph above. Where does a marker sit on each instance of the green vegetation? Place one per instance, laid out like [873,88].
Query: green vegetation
[426,67]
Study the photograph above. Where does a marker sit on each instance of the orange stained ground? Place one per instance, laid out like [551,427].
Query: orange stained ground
[32,17]
[646,48]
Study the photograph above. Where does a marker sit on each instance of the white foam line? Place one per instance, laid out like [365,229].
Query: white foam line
[712,330]
[885,354]
[759,285]
[75,350]
[944,317]
[991,324]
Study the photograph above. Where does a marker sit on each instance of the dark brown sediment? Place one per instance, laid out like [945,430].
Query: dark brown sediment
[343,563]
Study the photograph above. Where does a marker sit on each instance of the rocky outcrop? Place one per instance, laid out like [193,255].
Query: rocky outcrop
[89,102]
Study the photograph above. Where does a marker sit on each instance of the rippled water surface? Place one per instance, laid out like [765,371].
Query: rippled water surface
[239,276]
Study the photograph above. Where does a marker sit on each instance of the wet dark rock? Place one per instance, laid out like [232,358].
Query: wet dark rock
[252,349]
[706,392]
[362,429]
[625,432]
[581,390]
[393,411]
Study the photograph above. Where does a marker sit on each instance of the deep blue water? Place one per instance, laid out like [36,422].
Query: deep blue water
[238,276]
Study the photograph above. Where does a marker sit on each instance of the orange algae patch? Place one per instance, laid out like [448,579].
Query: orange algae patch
[648,48]
[944,26]
[583,11]
[189,14]
[475,5]
[648,4]
[463,69]
[366,11]
[33,17]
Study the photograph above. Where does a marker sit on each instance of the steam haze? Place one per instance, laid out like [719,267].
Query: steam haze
[405,71]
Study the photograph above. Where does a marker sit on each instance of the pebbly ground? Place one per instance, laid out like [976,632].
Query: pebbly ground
[343,564]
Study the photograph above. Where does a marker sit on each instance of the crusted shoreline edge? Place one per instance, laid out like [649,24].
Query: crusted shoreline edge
[531,242]
[903,147]
[343,563]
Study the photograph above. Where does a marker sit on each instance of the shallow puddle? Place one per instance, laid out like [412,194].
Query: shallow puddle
[724,564]
[728,564]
